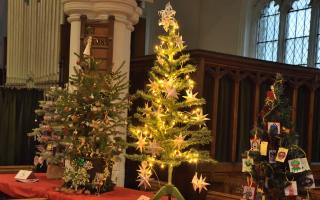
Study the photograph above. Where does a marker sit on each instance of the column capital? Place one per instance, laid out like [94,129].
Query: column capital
[126,11]
[74,17]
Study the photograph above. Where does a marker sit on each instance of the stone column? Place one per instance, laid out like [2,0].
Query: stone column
[75,28]
[126,13]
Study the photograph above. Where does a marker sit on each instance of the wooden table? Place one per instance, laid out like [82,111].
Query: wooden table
[45,188]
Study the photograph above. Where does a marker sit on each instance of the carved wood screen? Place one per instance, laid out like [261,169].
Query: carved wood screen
[235,87]
[102,40]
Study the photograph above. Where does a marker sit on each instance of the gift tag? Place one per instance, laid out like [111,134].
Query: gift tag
[295,165]
[305,164]
[247,164]
[255,143]
[248,192]
[272,156]
[282,154]
[26,176]
[260,195]
[292,189]
[264,148]
[307,182]
[274,128]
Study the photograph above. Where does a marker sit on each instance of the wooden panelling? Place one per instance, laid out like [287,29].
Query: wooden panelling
[216,69]
[102,40]
[212,195]
[219,65]
[14,169]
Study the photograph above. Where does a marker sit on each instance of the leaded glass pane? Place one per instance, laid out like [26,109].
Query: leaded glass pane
[268,30]
[297,33]
[318,47]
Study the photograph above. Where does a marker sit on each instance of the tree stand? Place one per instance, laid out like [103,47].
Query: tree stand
[169,189]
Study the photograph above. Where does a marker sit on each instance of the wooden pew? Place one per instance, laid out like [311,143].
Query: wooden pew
[14,169]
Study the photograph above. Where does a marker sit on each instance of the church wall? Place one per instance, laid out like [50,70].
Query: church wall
[187,16]
[215,25]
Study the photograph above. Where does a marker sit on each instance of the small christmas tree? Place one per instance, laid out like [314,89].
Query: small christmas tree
[275,164]
[171,124]
[85,120]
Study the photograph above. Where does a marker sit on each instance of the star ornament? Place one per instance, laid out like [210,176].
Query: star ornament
[154,148]
[199,183]
[190,96]
[178,141]
[154,86]
[179,42]
[141,143]
[200,116]
[144,174]
[171,92]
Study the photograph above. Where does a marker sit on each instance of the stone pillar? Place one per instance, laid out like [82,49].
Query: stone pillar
[75,28]
[126,13]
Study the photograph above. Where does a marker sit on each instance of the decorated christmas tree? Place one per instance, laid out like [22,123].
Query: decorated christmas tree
[275,165]
[171,125]
[81,125]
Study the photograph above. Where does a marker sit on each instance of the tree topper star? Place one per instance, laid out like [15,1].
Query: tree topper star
[167,17]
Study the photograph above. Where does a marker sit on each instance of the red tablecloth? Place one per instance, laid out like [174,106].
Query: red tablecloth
[45,188]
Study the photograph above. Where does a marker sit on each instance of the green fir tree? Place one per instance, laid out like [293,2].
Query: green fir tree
[171,125]
[86,120]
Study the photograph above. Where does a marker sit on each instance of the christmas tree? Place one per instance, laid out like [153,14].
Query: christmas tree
[171,124]
[275,164]
[85,120]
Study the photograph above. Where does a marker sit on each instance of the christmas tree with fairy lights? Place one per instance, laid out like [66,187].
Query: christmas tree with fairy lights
[171,125]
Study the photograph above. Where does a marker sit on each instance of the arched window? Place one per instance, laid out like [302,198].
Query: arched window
[288,31]
[268,33]
[297,33]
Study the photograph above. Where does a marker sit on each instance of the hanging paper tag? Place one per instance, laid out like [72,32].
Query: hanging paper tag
[247,164]
[305,164]
[272,156]
[259,194]
[264,148]
[282,154]
[308,182]
[295,165]
[255,144]
[248,192]
[274,128]
[291,190]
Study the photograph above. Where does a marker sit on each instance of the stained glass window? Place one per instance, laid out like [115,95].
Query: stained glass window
[268,33]
[297,33]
